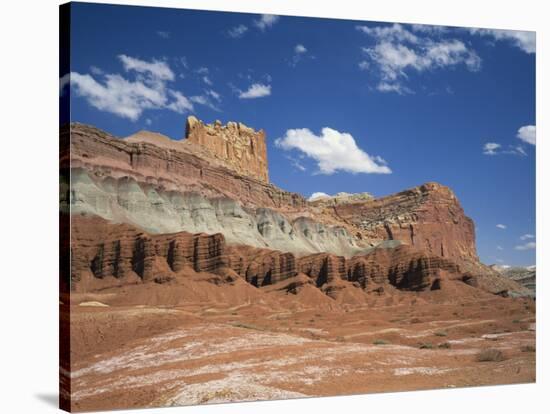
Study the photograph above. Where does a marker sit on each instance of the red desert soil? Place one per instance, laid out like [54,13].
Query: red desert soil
[210,343]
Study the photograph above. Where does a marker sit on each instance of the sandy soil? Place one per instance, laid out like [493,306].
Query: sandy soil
[205,352]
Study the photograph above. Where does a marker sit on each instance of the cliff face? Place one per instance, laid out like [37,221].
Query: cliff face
[428,217]
[106,254]
[241,148]
[162,186]
[165,186]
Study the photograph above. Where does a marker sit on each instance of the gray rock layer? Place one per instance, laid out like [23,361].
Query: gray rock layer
[156,210]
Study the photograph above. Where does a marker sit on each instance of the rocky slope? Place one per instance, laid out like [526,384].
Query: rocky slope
[526,276]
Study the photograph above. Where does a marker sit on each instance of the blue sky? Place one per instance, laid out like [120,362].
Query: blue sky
[347,105]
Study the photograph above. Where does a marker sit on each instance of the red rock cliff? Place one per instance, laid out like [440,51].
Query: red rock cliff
[240,148]
[428,217]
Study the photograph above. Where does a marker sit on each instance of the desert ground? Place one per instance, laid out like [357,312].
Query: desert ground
[279,345]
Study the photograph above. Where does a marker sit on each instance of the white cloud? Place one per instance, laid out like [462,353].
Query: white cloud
[500,248]
[204,100]
[148,121]
[396,32]
[117,95]
[398,51]
[207,80]
[299,49]
[128,98]
[317,195]
[333,151]
[363,65]
[527,246]
[214,94]
[203,70]
[96,71]
[237,31]
[266,21]
[163,34]
[528,133]
[527,236]
[180,104]
[501,226]
[156,69]
[524,40]
[491,148]
[426,28]
[393,87]
[256,90]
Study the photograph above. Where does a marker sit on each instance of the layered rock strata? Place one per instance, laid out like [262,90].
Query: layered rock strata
[168,189]
[120,254]
[428,217]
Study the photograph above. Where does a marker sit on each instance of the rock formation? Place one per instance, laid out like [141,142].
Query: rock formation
[106,254]
[428,217]
[238,146]
[526,276]
[157,186]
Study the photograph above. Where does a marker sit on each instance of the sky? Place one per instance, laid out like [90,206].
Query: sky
[353,106]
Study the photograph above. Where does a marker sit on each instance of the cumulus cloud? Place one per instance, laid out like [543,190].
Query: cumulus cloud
[524,40]
[528,134]
[501,226]
[129,97]
[527,236]
[256,90]
[299,49]
[317,195]
[526,246]
[398,51]
[237,31]
[490,148]
[266,21]
[333,151]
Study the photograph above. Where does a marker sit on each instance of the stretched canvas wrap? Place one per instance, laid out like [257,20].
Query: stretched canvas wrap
[259,207]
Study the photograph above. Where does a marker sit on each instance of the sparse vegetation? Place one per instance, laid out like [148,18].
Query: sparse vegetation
[444,345]
[490,355]
[380,342]
[220,394]
[516,321]
[247,326]
[426,345]
[528,348]
[440,333]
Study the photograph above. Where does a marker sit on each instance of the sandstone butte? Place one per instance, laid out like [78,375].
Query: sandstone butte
[147,208]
